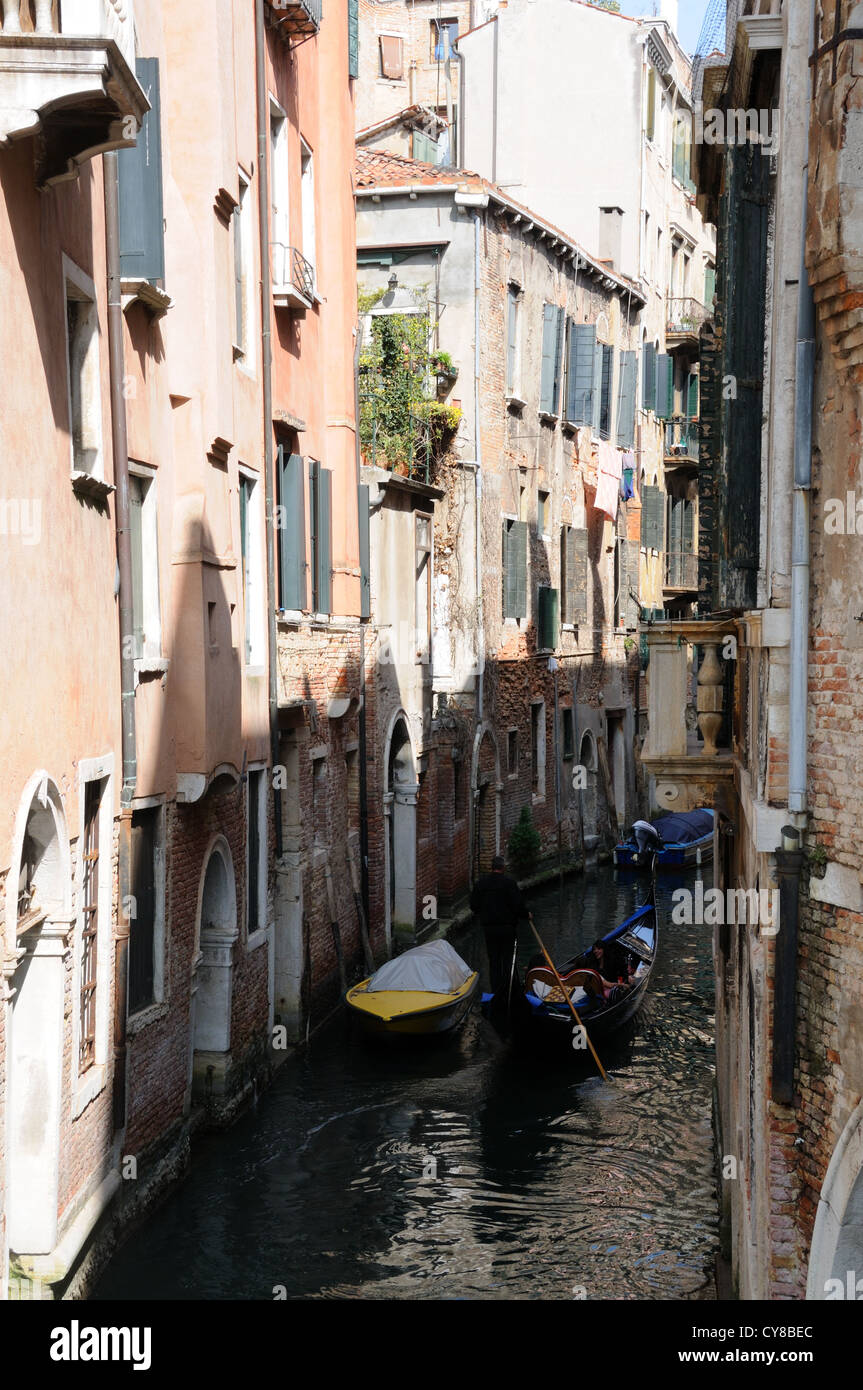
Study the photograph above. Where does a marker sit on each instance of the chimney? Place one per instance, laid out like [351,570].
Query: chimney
[610,231]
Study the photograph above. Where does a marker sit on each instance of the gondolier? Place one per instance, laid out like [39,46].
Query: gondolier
[496,899]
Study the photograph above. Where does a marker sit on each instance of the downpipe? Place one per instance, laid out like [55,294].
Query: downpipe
[120,449]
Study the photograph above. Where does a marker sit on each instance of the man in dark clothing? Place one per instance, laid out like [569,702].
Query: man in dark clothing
[497,901]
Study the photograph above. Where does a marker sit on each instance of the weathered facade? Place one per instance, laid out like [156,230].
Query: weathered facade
[532,666]
[158,895]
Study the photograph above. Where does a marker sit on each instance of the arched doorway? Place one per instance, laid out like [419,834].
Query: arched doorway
[213,986]
[400,807]
[39,900]
[836,1256]
[588,761]
[486,805]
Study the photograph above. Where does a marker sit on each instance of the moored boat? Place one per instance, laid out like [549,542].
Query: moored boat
[678,840]
[426,991]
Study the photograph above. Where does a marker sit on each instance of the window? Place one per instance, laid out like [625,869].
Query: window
[353,38]
[652,517]
[352,786]
[392,57]
[307,189]
[553,325]
[144,544]
[547,618]
[139,168]
[583,373]
[320,802]
[648,377]
[626,400]
[90,925]
[512,354]
[147,924]
[709,285]
[664,386]
[256,851]
[279,181]
[423,610]
[514,569]
[444,33]
[605,391]
[512,752]
[320,527]
[251,546]
[243,274]
[290,523]
[573,574]
[543,513]
[568,739]
[537,749]
[650,114]
[82,360]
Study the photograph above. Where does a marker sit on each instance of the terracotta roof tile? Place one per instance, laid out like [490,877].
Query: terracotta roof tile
[378,168]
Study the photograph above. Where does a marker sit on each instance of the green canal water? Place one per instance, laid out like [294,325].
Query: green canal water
[462,1171]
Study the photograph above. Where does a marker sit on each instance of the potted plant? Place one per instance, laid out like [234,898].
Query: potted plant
[445,370]
[524,843]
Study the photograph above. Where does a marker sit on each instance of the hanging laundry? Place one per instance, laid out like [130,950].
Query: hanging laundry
[608,487]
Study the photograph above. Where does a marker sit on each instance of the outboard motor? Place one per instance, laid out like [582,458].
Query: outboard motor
[647,838]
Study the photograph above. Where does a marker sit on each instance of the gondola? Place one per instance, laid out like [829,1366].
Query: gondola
[679,840]
[424,992]
[549,1019]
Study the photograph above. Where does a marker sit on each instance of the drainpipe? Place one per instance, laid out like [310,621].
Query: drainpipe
[120,449]
[480,627]
[267,376]
[363,733]
[805,376]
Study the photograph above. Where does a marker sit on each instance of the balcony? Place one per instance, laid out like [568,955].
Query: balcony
[684,318]
[294,19]
[681,572]
[293,278]
[681,442]
[67,74]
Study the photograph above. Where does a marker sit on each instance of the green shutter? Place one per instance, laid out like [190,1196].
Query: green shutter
[559,337]
[244,553]
[549,339]
[518,543]
[291,530]
[578,588]
[547,618]
[648,378]
[688,536]
[136,541]
[709,286]
[142,244]
[423,147]
[324,541]
[692,396]
[651,102]
[605,410]
[507,565]
[626,400]
[353,38]
[631,607]
[365,552]
[664,386]
[581,375]
[652,517]
[598,359]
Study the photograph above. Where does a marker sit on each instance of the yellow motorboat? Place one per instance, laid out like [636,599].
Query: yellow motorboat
[394,1001]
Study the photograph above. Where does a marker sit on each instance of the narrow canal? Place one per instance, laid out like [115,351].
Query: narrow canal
[461,1171]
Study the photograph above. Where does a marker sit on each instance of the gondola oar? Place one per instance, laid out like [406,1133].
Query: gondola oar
[566,996]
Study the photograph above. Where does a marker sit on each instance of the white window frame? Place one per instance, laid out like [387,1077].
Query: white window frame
[244,352]
[79,287]
[150,1012]
[87,1085]
[152,615]
[307,188]
[513,300]
[280,176]
[423,580]
[253,586]
[262,933]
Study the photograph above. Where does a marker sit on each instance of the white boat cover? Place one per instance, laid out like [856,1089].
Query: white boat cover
[435,968]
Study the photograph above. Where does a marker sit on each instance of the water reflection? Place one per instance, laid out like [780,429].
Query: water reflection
[463,1170]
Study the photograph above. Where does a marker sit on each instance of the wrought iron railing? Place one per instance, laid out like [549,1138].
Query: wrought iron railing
[685,315]
[400,441]
[297,16]
[681,569]
[290,267]
[681,438]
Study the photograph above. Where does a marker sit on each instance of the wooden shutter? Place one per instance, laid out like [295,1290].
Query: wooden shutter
[292,530]
[423,147]
[365,552]
[578,583]
[245,559]
[518,542]
[648,378]
[709,286]
[631,608]
[651,102]
[626,401]
[142,242]
[692,396]
[324,541]
[605,411]
[582,373]
[353,38]
[143,919]
[549,338]
[665,386]
[688,534]
[547,618]
[560,334]
[392,61]
[511,342]
[136,541]
[598,359]
[652,517]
